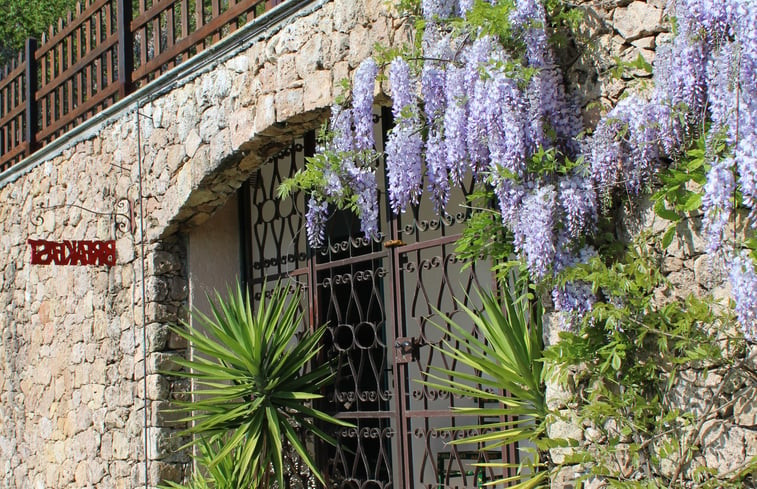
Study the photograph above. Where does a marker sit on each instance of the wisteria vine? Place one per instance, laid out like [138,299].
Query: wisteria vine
[474,106]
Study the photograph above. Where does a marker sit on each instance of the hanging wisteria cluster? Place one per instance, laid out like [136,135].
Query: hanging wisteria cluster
[474,107]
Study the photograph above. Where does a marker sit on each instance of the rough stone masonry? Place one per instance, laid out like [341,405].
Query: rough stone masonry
[79,407]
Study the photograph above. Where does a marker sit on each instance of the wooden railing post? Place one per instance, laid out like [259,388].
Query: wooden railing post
[30,93]
[125,48]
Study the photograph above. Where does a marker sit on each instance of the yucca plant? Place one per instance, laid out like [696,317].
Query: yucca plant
[254,385]
[218,475]
[505,355]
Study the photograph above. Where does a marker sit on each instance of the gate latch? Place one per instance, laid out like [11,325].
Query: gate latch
[407,349]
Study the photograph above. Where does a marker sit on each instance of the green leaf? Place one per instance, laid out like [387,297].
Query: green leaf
[665,213]
[694,201]
[667,238]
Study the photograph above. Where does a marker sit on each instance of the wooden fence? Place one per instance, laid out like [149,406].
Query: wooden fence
[99,54]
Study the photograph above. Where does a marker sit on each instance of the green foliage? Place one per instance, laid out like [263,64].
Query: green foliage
[625,69]
[485,238]
[623,366]
[252,383]
[493,20]
[20,19]
[220,475]
[680,192]
[312,178]
[506,355]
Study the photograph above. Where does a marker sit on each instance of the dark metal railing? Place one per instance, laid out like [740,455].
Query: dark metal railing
[99,54]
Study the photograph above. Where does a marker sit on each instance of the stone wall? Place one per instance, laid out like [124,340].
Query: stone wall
[75,403]
[76,396]
[623,29]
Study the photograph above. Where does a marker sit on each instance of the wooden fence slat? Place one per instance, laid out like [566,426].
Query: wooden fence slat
[215,11]
[155,37]
[109,61]
[195,39]
[170,32]
[70,72]
[125,48]
[109,92]
[146,16]
[89,43]
[30,82]
[86,61]
[184,18]
[8,78]
[53,39]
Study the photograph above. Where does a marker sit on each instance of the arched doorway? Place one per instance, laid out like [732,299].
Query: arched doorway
[380,298]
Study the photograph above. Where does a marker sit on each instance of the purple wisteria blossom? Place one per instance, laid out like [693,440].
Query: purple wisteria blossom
[363,184]
[315,221]
[333,187]
[506,124]
[432,90]
[717,202]
[476,134]
[465,6]
[341,127]
[436,169]
[509,197]
[578,201]
[455,122]
[746,160]
[744,286]
[438,8]
[625,148]
[548,102]
[574,299]
[362,103]
[405,145]
[680,75]
[534,231]
[722,80]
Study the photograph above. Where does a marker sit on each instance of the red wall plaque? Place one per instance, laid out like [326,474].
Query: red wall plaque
[69,252]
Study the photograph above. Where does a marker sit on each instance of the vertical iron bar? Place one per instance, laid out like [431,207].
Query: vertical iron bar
[125,48]
[314,314]
[30,135]
[403,442]
[244,204]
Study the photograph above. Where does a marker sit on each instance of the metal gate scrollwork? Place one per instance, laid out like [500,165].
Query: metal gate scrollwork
[378,298]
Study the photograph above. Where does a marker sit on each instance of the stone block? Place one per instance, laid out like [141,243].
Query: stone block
[318,90]
[162,472]
[265,112]
[286,72]
[310,58]
[242,126]
[157,337]
[220,146]
[162,415]
[639,19]
[346,15]
[120,445]
[289,103]
[239,64]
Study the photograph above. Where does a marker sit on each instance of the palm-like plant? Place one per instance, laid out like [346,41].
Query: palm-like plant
[253,385]
[221,475]
[505,356]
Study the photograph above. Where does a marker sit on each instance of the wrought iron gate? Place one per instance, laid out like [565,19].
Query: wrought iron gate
[379,298]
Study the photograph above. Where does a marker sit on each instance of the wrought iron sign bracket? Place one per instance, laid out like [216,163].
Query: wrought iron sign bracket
[83,252]
[123,214]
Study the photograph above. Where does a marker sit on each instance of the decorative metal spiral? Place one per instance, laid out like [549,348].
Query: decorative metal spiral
[124,221]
